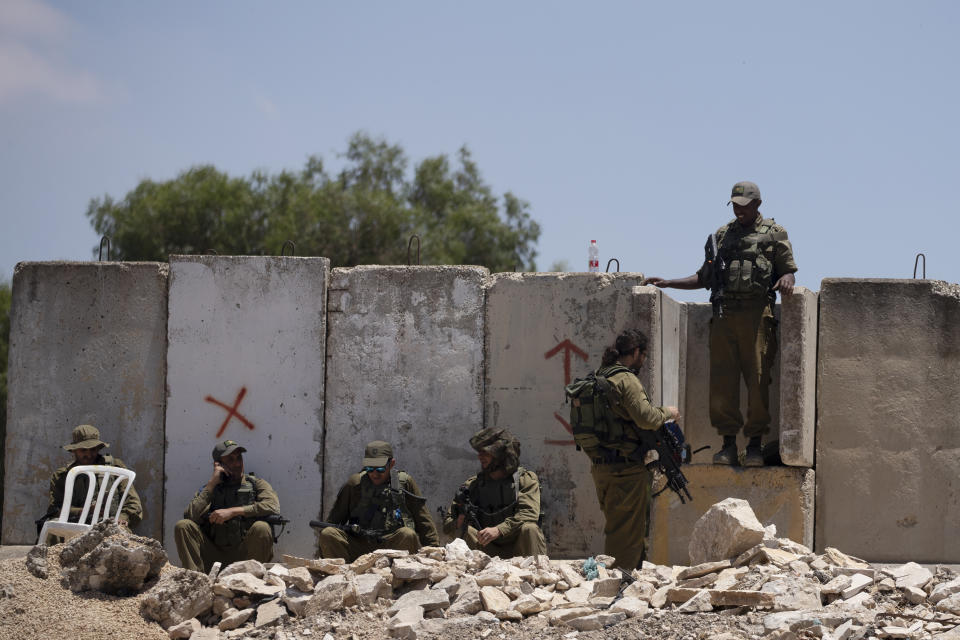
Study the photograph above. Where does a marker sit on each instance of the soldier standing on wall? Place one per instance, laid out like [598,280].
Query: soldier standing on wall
[754,260]
[221,522]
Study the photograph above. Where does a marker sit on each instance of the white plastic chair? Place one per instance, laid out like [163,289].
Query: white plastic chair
[101,510]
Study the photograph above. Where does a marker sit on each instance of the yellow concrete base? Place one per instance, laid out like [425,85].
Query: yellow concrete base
[783,496]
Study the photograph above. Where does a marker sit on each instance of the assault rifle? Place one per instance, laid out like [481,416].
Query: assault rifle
[462,504]
[352,529]
[717,267]
[672,451]
[272,519]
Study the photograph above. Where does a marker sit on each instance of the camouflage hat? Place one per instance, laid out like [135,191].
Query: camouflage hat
[377,454]
[501,444]
[225,448]
[86,436]
[743,193]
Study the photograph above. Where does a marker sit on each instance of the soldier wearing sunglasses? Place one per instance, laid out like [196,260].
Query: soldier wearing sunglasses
[384,504]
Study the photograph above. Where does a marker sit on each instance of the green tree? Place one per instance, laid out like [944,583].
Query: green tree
[364,214]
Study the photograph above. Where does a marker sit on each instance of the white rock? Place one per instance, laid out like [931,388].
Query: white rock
[944,590]
[298,578]
[253,567]
[727,529]
[699,602]
[369,587]
[494,600]
[332,593]
[579,595]
[185,629]
[410,569]
[950,604]
[914,595]
[596,621]
[526,605]
[468,600]
[792,593]
[457,551]
[569,575]
[560,616]
[912,575]
[270,613]
[235,619]
[404,623]
[427,599]
[836,585]
[605,587]
[296,601]
[215,570]
[858,582]
[246,583]
[640,590]
[632,607]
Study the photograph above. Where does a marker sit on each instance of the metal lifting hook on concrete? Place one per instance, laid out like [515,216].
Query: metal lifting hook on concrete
[613,260]
[102,240]
[283,249]
[916,261]
[409,245]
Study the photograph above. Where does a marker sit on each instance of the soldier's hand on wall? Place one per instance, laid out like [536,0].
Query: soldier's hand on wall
[655,281]
[785,284]
[674,413]
[488,535]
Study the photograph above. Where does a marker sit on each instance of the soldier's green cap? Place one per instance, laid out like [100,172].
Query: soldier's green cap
[225,448]
[86,436]
[744,192]
[377,454]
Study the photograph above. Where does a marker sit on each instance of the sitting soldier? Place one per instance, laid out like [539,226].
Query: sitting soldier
[498,510]
[378,508]
[224,521]
[86,447]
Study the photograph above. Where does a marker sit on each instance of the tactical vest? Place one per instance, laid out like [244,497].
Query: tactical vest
[496,500]
[749,259]
[232,532]
[81,484]
[383,507]
[597,429]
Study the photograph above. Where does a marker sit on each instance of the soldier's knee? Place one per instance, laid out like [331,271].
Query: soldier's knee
[529,529]
[406,535]
[185,526]
[261,531]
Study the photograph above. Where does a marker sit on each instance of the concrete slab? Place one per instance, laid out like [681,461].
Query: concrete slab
[798,376]
[87,345]
[406,365]
[888,432]
[779,495]
[246,361]
[696,407]
[545,329]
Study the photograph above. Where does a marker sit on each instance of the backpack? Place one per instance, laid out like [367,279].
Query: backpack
[597,430]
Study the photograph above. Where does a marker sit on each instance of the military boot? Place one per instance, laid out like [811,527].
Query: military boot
[753,456]
[727,453]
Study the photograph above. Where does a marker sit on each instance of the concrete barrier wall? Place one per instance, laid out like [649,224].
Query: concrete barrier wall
[888,431]
[543,330]
[783,496]
[798,377]
[405,365]
[246,361]
[87,345]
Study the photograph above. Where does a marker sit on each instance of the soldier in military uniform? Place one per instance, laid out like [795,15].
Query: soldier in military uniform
[758,262]
[498,510]
[86,447]
[220,523]
[383,502]
[621,479]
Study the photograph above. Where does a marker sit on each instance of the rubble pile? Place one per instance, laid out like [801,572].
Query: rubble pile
[747,583]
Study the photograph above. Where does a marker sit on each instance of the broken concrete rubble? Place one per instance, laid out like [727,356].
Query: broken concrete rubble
[779,590]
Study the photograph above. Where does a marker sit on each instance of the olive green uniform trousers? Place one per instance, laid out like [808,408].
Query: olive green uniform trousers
[623,490]
[525,541]
[335,543]
[743,342]
[198,553]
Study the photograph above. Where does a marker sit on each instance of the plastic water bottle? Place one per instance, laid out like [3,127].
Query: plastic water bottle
[594,254]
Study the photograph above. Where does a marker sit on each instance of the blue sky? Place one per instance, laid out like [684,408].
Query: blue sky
[624,122]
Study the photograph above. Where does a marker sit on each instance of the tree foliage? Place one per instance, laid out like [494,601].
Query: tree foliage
[364,214]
